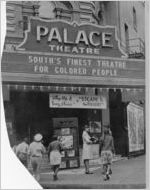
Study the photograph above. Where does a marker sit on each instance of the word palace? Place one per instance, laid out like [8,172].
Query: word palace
[94,38]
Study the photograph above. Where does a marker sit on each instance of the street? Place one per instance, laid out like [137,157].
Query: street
[127,173]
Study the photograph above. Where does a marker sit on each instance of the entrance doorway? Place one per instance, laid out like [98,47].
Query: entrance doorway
[32,115]
[118,122]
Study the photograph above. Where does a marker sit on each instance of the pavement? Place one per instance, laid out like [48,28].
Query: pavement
[127,174]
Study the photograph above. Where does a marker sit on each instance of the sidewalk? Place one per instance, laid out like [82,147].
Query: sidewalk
[126,174]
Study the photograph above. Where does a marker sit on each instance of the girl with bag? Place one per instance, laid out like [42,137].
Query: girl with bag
[107,151]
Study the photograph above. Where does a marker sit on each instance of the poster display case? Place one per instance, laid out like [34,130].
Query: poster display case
[67,131]
[136,136]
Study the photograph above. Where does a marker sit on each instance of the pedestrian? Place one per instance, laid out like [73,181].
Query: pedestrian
[87,154]
[21,151]
[36,151]
[54,154]
[107,151]
[14,148]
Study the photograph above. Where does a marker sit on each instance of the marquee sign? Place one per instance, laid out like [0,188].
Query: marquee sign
[77,101]
[68,65]
[59,50]
[59,36]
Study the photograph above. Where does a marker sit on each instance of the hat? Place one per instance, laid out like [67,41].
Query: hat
[38,137]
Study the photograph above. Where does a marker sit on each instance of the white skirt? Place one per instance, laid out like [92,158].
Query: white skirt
[55,158]
[87,153]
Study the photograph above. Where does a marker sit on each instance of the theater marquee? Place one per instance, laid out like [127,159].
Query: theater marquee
[59,36]
[61,52]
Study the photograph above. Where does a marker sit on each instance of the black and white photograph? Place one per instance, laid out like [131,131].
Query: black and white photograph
[74,83]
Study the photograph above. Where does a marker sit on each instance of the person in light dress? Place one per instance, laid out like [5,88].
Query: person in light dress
[36,151]
[54,154]
[87,153]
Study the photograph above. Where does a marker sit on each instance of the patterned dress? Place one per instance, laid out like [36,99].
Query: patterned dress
[107,150]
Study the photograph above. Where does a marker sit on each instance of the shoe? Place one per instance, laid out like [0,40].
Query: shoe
[110,171]
[107,177]
[55,178]
[88,172]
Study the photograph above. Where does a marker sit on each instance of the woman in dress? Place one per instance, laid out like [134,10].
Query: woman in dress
[54,153]
[107,152]
[87,155]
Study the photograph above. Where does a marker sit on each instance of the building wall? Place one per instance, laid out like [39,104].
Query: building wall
[126,17]
[119,13]
[19,11]
[104,13]
[14,18]
[99,12]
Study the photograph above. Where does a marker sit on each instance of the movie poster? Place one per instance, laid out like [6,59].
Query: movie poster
[135,119]
[66,141]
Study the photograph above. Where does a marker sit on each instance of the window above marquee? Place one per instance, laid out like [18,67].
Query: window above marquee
[46,10]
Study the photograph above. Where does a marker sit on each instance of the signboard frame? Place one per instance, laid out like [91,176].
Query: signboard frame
[73,24]
[136,129]
[21,71]
[57,100]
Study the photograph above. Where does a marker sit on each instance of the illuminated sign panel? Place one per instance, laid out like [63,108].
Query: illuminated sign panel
[35,63]
[72,38]
[60,50]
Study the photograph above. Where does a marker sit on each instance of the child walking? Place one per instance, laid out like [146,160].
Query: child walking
[107,152]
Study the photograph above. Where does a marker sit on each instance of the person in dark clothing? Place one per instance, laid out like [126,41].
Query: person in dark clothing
[54,154]
[107,151]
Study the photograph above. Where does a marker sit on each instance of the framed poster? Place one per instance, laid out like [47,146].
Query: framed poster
[63,164]
[71,153]
[65,131]
[73,163]
[135,119]
[66,141]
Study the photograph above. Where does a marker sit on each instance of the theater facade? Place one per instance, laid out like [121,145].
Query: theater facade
[64,75]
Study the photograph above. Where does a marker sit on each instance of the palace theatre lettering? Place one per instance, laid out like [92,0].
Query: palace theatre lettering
[94,38]
[70,38]
[58,48]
